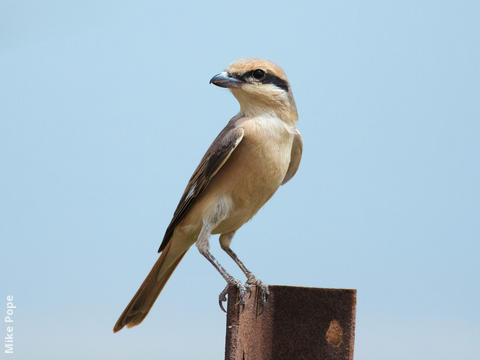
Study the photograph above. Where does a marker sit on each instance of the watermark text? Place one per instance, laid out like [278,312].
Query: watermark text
[9,324]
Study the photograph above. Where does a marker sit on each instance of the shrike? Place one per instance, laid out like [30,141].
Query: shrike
[258,150]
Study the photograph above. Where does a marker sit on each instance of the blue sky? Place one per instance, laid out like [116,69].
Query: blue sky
[105,111]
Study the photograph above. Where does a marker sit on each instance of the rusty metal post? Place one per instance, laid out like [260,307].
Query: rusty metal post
[297,323]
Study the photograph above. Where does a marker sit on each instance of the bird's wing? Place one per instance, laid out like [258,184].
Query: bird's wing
[295,156]
[213,160]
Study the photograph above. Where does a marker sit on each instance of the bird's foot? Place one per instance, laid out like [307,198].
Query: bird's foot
[242,292]
[262,290]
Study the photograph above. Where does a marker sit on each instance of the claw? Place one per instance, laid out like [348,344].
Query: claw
[262,291]
[221,306]
[221,299]
[249,290]
[242,289]
[242,306]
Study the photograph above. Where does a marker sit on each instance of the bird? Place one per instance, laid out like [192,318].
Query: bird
[259,150]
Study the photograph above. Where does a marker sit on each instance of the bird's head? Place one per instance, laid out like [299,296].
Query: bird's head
[259,86]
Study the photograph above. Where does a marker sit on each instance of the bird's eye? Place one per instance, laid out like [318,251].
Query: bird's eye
[259,74]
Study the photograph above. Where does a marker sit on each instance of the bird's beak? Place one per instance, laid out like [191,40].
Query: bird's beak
[225,80]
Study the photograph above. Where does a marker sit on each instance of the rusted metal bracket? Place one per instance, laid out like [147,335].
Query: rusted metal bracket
[297,323]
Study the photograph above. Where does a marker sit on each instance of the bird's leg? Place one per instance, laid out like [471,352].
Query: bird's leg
[252,280]
[203,246]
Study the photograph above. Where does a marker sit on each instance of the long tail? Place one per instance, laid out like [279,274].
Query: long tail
[151,287]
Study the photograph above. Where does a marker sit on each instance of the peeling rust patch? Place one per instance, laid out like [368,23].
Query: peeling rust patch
[334,334]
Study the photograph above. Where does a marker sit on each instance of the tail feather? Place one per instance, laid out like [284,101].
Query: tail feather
[148,292]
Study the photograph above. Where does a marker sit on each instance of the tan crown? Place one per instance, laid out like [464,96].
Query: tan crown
[243,65]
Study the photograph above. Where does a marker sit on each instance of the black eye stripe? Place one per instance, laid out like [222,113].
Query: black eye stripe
[267,79]
[275,80]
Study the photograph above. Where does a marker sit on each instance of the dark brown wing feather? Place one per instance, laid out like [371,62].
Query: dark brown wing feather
[216,155]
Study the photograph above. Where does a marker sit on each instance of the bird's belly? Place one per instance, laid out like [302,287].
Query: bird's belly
[251,176]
